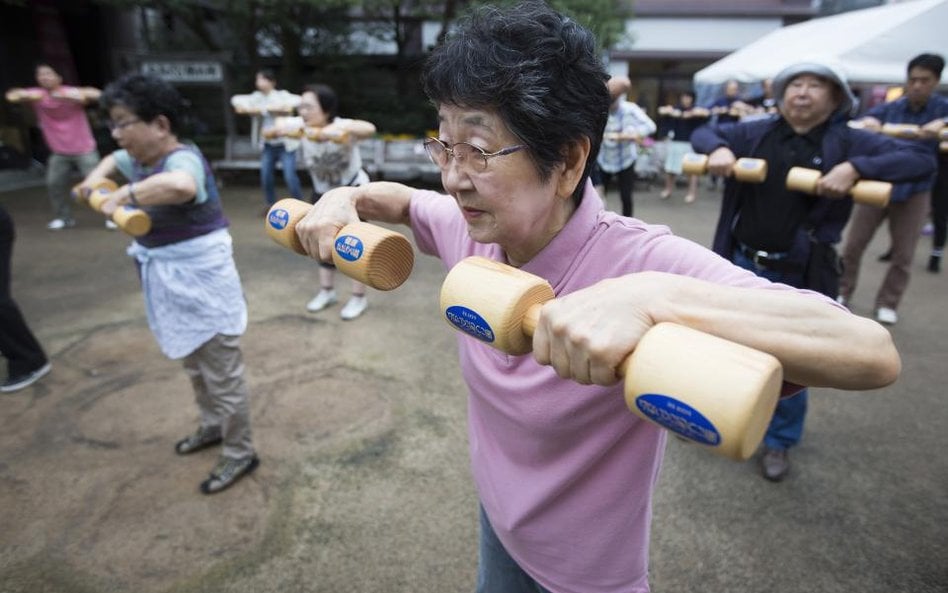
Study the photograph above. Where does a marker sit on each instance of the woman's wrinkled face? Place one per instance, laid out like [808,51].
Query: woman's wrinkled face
[809,100]
[140,138]
[505,202]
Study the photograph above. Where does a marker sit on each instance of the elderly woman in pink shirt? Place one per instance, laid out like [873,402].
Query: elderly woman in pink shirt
[563,471]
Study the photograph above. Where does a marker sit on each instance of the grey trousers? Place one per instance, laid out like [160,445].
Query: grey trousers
[906,220]
[216,370]
[59,170]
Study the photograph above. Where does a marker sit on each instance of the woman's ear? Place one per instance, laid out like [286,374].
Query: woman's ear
[163,123]
[573,166]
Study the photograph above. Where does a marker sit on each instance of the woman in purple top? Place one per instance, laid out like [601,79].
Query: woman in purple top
[563,471]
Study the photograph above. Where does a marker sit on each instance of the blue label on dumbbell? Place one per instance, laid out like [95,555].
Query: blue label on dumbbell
[349,248]
[278,218]
[678,417]
[469,322]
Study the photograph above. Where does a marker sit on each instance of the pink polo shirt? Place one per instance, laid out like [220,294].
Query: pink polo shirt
[564,471]
[64,124]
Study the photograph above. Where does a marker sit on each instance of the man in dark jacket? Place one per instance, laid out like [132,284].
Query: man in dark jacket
[789,236]
[911,202]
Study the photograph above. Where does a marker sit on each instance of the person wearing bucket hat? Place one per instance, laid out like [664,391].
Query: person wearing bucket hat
[910,203]
[788,236]
[844,95]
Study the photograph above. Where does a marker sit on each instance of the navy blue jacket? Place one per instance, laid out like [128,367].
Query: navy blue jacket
[874,156]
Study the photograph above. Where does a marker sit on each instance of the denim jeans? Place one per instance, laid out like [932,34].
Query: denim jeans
[271,154]
[497,572]
[786,425]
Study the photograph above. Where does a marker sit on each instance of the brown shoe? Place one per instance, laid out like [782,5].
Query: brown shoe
[775,464]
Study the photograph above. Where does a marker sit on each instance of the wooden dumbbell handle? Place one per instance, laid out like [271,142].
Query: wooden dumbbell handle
[133,221]
[373,255]
[745,169]
[908,132]
[865,191]
[106,184]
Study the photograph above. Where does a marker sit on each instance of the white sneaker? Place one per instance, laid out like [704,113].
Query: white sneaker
[322,300]
[355,307]
[110,225]
[57,224]
[887,316]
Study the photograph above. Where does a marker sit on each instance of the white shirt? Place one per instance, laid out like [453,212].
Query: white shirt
[278,100]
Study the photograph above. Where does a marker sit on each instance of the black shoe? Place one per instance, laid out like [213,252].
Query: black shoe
[775,464]
[934,264]
[227,471]
[23,381]
[204,437]
[887,256]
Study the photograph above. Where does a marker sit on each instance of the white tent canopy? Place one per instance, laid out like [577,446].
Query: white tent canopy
[873,45]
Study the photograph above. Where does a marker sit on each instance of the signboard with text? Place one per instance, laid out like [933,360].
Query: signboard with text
[184,71]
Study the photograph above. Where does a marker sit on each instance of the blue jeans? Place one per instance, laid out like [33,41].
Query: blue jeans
[271,154]
[497,572]
[786,426]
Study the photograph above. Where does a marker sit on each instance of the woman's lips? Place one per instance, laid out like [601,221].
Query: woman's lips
[471,213]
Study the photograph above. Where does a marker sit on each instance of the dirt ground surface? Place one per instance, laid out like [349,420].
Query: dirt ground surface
[360,426]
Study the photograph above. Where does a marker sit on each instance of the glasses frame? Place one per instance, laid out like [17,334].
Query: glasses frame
[112,126]
[478,152]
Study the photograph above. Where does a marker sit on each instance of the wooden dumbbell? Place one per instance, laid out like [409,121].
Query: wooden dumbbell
[373,255]
[320,135]
[704,388]
[133,221]
[745,169]
[865,191]
[908,132]
[80,196]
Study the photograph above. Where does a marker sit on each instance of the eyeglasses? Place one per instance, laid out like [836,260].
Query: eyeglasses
[467,156]
[114,125]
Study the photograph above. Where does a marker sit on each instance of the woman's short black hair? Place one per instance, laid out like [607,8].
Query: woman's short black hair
[146,96]
[538,69]
[328,100]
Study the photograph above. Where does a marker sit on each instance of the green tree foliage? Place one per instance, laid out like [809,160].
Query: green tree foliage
[327,40]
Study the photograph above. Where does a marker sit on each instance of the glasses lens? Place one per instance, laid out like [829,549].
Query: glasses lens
[436,152]
[468,155]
